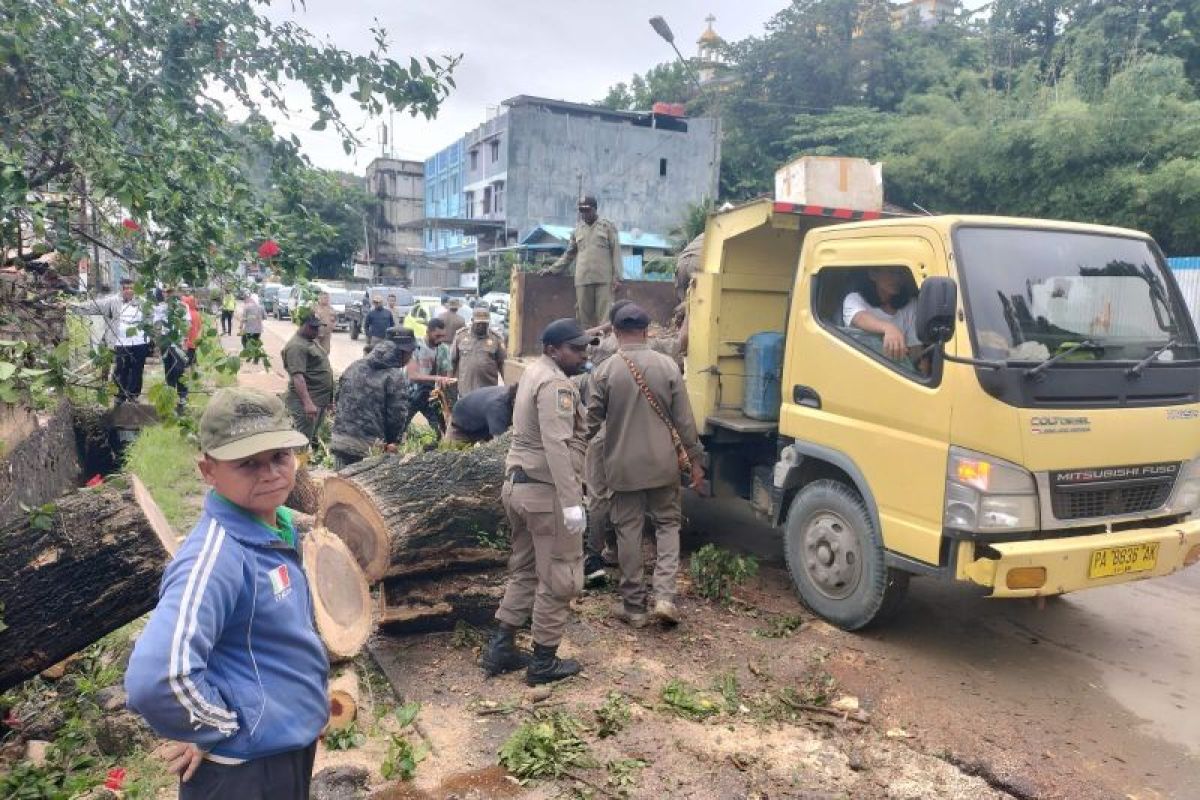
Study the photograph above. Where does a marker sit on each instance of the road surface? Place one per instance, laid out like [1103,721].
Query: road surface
[275,335]
[1094,695]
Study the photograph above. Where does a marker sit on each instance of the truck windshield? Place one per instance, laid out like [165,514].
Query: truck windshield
[1035,294]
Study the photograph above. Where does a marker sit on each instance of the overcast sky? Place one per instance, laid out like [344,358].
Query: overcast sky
[567,50]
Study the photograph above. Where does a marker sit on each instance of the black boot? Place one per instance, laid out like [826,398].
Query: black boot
[547,667]
[501,654]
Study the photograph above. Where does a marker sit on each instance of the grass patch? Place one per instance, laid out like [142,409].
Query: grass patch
[165,460]
[780,627]
[612,716]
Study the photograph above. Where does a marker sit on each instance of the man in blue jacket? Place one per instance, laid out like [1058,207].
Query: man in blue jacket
[230,665]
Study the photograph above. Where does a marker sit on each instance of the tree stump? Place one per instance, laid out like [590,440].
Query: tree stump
[70,577]
[341,597]
[419,514]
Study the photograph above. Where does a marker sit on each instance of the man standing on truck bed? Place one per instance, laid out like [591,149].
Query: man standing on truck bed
[543,497]
[639,397]
[596,251]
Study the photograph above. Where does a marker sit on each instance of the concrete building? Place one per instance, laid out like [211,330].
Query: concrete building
[394,244]
[924,13]
[527,165]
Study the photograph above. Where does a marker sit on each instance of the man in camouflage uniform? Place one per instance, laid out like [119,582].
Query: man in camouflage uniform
[478,354]
[543,497]
[595,249]
[372,401]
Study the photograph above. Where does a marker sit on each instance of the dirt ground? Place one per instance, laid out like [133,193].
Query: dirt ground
[757,746]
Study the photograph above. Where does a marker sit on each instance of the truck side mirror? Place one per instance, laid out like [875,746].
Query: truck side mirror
[937,310]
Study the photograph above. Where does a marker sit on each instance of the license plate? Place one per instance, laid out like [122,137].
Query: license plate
[1121,560]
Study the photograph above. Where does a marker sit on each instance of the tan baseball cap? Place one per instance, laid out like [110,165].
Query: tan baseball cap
[481,314]
[242,422]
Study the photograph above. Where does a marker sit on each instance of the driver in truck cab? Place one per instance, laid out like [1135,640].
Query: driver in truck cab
[884,305]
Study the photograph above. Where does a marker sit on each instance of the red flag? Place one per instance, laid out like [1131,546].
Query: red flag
[130,225]
[268,249]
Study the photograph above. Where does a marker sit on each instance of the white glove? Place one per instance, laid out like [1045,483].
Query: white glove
[575,519]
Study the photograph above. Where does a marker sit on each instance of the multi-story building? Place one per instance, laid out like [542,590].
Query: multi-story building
[394,244]
[923,12]
[528,165]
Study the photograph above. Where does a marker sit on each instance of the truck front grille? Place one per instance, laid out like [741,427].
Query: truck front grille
[1111,500]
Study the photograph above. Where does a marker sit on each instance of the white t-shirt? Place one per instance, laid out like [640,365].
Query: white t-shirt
[130,317]
[904,318]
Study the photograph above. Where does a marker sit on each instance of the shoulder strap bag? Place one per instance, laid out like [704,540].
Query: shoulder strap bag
[685,463]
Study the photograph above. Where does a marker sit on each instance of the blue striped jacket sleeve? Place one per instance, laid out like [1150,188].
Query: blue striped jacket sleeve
[168,680]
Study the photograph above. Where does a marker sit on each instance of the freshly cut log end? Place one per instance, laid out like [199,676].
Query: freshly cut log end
[341,598]
[418,514]
[349,512]
[343,701]
[94,564]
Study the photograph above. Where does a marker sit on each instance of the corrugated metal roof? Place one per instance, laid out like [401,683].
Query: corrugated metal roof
[628,239]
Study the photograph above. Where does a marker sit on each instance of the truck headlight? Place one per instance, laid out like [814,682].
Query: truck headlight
[1186,497]
[986,494]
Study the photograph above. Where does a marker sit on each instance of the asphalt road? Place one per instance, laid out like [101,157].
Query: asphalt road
[276,333]
[1093,695]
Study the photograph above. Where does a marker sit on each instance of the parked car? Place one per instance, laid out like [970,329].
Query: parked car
[283,297]
[340,299]
[361,304]
[267,294]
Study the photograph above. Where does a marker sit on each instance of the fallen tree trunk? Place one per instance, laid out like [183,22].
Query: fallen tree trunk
[67,578]
[419,514]
[437,604]
[306,493]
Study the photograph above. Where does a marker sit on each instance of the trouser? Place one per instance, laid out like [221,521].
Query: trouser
[423,404]
[226,322]
[130,365]
[342,459]
[546,566]
[592,302]
[246,337]
[283,776]
[303,422]
[599,497]
[629,510]
[175,364]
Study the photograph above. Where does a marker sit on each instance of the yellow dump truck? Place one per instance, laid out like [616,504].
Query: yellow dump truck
[1039,434]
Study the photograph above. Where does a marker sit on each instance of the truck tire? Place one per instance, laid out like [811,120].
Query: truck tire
[354,330]
[835,556]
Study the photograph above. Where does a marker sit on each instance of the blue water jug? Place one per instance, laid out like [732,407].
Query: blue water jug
[764,367]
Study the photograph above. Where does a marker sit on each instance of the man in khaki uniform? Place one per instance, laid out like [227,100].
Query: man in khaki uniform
[327,316]
[543,497]
[640,460]
[478,354]
[596,250]
[310,378]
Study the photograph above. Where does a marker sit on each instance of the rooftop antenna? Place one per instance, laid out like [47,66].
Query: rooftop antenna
[923,210]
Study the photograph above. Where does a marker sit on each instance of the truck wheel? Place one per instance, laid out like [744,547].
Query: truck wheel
[354,331]
[835,556]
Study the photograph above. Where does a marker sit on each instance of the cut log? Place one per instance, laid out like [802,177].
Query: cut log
[438,604]
[306,494]
[418,514]
[343,701]
[341,597]
[76,574]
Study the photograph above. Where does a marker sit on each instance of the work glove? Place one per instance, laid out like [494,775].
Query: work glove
[575,520]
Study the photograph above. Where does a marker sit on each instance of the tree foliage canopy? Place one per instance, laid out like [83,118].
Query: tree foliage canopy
[129,101]
[1070,109]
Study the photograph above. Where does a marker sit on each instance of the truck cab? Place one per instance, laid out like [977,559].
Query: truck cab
[1039,434]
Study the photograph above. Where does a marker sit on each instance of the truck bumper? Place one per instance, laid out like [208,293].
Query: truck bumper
[1068,562]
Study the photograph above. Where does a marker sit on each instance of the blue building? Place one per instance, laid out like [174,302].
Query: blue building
[444,200]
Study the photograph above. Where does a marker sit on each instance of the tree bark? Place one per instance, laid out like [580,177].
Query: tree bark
[422,605]
[306,494]
[420,514]
[91,566]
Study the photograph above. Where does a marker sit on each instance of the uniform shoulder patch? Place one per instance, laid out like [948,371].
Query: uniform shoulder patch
[566,401]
